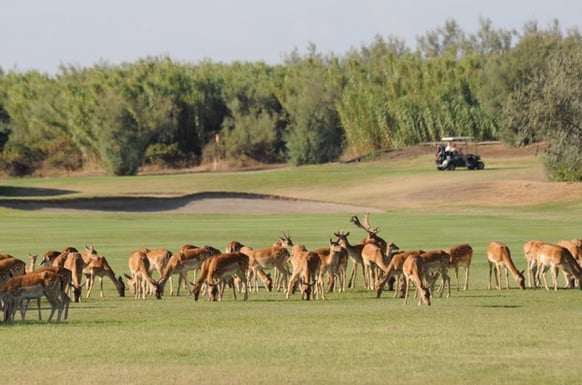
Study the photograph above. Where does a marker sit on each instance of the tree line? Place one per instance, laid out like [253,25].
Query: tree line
[520,87]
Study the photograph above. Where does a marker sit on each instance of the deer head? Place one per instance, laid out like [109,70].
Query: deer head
[285,240]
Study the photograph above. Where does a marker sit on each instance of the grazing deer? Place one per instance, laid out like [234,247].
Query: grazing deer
[235,246]
[395,269]
[99,267]
[187,259]
[499,256]
[74,262]
[216,269]
[554,257]
[461,256]
[575,248]
[306,265]
[531,257]
[140,279]
[412,269]
[436,261]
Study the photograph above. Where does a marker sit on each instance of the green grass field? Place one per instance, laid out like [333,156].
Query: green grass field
[476,337]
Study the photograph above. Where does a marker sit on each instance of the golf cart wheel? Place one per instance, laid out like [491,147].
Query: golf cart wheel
[451,167]
[480,165]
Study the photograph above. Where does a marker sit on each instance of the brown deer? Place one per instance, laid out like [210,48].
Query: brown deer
[100,268]
[461,256]
[355,253]
[499,256]
[216,269]
[332,259]
[140,281]
[555,257]
[74,262]
[18,290]
[306,265]
[187,259]
[274,256]
[413,272]
[235,246]
[373,269]
[395,270]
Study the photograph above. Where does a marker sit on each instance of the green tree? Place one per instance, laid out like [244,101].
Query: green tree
[310,94]
[550,107]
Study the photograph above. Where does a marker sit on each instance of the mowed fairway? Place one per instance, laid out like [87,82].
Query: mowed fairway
[477,336]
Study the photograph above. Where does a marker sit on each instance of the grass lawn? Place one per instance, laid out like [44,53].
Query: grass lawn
[478,336]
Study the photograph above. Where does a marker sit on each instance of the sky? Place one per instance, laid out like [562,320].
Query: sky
[45,34]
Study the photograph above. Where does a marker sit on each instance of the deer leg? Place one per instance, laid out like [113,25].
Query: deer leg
[352,281]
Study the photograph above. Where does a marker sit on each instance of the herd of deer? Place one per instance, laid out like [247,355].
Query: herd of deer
[295,268]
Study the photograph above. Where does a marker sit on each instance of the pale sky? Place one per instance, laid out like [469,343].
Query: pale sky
[43,34]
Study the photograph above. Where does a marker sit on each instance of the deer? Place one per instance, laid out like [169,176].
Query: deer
[158,258]
[436,261]
[140,279]
[371,238]
[66,276]
[332,260]
[499,256]
[75,263]
[187,259]
[22,288]
[555,257]
[99,267]
[372,264]
[575,248]
[13,266]
[234,246]
[412,268]
[531,257]
[461,255]
[306,265]
[32,264]
[216,269]
[274,256]
[355,253]
[395,269]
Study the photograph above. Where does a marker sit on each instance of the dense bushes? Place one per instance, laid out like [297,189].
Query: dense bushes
[313,108]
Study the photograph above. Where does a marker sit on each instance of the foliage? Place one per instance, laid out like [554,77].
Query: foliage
[310,96]
[17,160]
[313,108]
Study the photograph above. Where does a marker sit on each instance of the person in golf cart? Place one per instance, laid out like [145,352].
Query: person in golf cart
[444,152]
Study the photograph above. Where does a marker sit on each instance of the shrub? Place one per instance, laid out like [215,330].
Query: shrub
[164,155]
[17,160]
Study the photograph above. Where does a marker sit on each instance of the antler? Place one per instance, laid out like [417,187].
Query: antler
[366,226]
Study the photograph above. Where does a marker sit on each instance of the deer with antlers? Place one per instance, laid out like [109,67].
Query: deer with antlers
[379,258]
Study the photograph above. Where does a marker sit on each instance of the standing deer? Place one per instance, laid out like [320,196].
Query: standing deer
[461,256]
[372,269]
[275,256]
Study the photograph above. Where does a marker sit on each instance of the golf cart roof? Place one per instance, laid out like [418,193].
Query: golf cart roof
[457,138]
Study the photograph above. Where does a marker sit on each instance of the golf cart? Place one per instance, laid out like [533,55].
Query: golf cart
[449,157]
